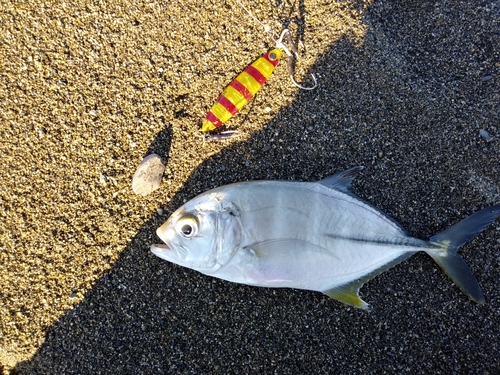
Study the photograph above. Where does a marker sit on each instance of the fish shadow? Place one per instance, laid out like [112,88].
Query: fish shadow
[146,315]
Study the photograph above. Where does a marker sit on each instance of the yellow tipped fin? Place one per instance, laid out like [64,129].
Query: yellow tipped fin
[348,293]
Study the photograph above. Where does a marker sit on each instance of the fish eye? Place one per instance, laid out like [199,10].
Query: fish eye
[272,56]
[187,226]
[187,229]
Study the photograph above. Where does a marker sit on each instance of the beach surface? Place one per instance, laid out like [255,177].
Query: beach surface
[408,89]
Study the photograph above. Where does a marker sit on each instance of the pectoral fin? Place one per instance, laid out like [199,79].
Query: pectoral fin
[348,293]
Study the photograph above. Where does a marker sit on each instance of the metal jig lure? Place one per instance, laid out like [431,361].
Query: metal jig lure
[247,83]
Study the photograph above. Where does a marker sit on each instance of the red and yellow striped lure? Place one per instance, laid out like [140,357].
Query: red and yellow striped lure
[241,90]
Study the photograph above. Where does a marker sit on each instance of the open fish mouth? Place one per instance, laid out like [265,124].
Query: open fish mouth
[159,246]
[163,251]
[173,253]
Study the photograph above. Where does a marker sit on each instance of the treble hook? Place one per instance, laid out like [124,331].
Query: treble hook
[279,44]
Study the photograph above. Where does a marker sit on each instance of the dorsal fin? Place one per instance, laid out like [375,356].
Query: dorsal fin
[341,180]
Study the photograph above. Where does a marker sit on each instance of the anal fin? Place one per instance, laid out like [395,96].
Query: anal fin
[348,293]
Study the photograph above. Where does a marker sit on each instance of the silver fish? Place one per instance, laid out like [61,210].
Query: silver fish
[306,235]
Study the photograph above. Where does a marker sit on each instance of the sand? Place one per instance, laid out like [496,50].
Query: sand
[410,90]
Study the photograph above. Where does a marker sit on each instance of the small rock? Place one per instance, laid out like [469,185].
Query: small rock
[103,179]
[486,135]
[147,177]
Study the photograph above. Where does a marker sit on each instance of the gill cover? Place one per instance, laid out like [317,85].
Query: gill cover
[202,238]
[228,233]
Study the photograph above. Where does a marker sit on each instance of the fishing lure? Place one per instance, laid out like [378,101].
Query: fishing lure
[245,86]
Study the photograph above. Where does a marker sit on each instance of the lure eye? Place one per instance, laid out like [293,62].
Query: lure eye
[187,227]
[272,56]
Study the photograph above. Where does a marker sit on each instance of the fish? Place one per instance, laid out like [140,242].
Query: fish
[317,236]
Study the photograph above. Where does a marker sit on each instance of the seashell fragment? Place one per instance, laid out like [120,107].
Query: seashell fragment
[147,177]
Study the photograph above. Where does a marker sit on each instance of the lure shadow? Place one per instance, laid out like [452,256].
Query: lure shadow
[148,316]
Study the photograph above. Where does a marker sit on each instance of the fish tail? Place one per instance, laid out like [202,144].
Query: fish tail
[445,245]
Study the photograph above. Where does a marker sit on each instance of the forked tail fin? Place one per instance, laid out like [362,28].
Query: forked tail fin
[445,245]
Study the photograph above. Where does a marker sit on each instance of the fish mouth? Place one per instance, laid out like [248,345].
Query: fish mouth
[158,246]
[173,254]
[163,251]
